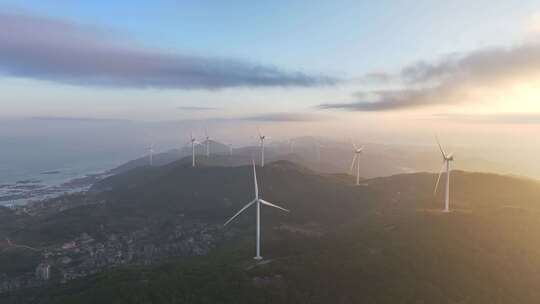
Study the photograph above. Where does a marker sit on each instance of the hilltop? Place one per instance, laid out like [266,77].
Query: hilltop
[383,241]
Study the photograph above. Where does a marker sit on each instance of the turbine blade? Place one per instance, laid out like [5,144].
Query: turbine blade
[440,147]
[352,164]
[239,212]
[438,179]
[273,205]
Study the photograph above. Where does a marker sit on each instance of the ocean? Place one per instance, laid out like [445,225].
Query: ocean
[38,157]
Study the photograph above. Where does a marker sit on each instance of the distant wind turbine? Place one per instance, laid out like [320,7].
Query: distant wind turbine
[257,201]
[356,160]
[447,158]
[207,142]
[262,138]
[193,142]
[151,154]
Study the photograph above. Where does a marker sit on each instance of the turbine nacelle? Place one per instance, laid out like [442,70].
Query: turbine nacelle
[357,149]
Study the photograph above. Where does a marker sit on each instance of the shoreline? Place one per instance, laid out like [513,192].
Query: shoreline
[21,193]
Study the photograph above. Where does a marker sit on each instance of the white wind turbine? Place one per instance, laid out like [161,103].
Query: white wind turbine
[193,142]
[151,154]
[262,138]
[207,142]
[257,201]
[356,160]
[447,158]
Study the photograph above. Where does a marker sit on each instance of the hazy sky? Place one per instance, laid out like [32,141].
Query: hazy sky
[395,68]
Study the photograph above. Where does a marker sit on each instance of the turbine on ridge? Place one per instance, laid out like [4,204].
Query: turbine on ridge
[262,138]
[207,142]
[356,161]
[447,158]
[192,142]
[258,201]
[151,154]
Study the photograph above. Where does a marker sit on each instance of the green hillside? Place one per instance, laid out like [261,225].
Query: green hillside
[385,241]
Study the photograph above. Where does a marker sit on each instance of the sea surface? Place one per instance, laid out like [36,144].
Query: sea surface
[44,158]
[33,174]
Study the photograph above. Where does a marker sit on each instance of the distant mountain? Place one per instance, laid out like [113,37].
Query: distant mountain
[167,157]
[335,157]
[379,159]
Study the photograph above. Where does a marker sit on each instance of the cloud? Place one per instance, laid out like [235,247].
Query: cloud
[77,119]
[61,51]
[503,118]
[284,117]
[196,108]
[387,100]
[449,80]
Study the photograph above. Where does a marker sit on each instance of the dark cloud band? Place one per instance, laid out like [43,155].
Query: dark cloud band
[55,50]
[284,117]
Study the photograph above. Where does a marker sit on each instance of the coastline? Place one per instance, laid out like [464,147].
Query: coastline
[23,192]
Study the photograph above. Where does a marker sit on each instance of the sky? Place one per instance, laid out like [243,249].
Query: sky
[395,71]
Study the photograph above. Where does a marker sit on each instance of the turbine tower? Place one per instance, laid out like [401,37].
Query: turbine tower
[207,141]
[262,138]
[447,158]
[356,160]
[151,154]
[257,201]
[193,142]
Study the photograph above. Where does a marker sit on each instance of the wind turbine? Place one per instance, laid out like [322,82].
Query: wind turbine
[262,138]
[151,154]
[447,158]
[257,201]
[356,160]
[193,142]
[207,141]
